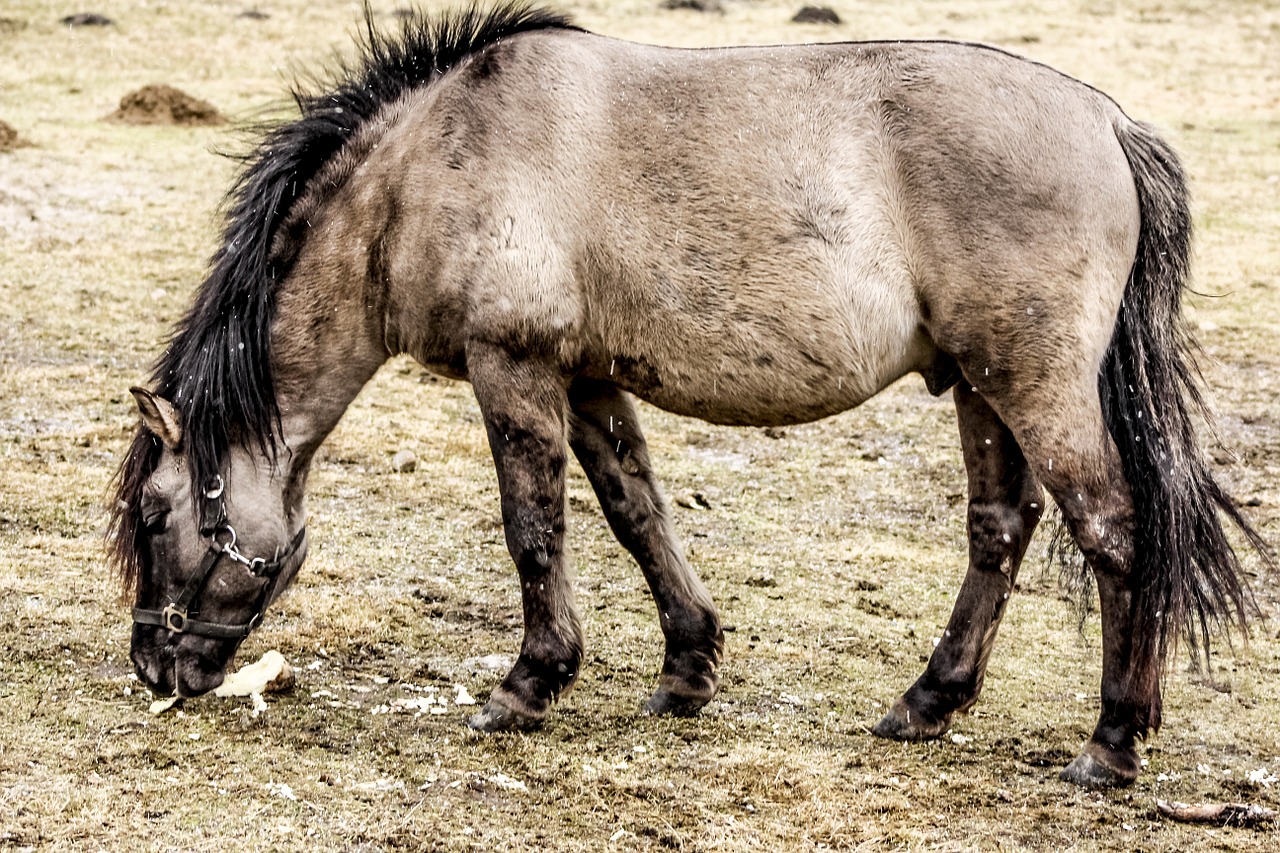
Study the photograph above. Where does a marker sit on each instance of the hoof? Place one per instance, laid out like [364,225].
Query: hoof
[496,717]
[665,703]
[901,723]
[1100,767]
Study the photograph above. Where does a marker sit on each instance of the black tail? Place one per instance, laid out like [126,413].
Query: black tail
[1188,576]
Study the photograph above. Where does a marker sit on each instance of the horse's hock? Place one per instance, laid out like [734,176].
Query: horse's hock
[162,104]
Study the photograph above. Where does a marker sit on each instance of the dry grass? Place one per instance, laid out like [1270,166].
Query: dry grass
[835,582]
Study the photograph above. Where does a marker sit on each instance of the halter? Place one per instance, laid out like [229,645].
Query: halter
[222,543]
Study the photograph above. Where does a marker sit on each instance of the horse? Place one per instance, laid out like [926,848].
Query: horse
[752,236]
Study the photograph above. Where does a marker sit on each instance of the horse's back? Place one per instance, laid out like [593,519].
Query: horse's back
[758,235]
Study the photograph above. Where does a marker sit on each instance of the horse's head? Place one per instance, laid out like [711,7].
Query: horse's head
[206,553]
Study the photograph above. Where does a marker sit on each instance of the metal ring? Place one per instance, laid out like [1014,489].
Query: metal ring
[229,547]
[214,492]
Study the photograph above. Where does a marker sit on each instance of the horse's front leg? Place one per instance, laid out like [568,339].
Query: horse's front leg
[523,403]
[605,435]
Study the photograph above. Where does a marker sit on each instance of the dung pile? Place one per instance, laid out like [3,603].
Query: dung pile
[87,19]
[161,104]
[695,5]
[815,15]
[9,138]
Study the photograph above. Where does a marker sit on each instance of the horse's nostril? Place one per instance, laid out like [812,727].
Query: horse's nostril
[196,674]
[157,676]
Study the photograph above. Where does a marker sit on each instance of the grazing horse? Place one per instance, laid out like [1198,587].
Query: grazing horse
[753,236]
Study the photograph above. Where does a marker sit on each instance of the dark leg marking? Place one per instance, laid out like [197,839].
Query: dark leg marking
[1076,459]
[523,403]
[1005,504]
[605,435]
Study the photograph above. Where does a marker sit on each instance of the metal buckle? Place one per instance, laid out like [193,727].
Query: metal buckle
[215,490]
[174,619]
[229,547]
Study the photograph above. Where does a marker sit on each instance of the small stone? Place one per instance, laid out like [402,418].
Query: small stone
[692,500]
[404,462]
[490,663]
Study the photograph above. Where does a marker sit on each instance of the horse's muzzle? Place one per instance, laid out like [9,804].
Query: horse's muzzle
[169,663]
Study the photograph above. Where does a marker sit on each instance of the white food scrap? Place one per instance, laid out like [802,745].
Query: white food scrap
[270,674]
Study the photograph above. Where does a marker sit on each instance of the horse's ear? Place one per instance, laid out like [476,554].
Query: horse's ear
[160,416]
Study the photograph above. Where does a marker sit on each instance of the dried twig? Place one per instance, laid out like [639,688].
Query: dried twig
[1224,814]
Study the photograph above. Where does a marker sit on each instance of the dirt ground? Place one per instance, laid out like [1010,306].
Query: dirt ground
[833,549]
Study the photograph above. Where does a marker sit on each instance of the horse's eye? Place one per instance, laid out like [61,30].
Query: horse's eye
[156,521]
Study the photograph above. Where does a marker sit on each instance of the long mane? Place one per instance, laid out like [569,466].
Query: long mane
[217,367]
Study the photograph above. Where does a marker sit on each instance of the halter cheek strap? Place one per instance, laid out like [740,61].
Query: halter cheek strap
[174,615]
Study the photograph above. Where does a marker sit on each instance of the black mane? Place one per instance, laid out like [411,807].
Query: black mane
[217,367]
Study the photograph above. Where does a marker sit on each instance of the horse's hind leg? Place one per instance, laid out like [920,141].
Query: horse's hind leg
[1063,433]
[604,433]
[523,403]
[1005,504]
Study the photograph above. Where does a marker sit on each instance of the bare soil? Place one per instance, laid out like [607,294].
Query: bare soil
[833,548]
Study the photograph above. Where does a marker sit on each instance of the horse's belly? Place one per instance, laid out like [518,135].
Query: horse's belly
[734,402]
[761,373]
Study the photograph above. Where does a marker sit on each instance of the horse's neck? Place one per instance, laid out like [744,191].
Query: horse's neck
[326,345]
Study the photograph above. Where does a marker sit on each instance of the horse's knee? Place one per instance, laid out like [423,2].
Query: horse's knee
[634,516]
[992,530]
